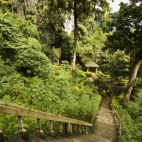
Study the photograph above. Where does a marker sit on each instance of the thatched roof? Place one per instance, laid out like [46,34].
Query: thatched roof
[91,64]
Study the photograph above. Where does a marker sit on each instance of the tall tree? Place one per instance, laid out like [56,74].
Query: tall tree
[127,34]
[81,12]
[75,33]
[82,9]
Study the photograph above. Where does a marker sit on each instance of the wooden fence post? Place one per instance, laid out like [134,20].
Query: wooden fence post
[70,128]
[79,128]
[67,128]
[21,127]
[86,129]
[39,126]
[51,128]
[61,127]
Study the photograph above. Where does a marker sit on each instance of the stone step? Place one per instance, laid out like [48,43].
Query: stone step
[106,115]
[104,125]
[91,138]
[105,112]
[99,126]
[105,120]
[77,138]
[106,131]
[105,104]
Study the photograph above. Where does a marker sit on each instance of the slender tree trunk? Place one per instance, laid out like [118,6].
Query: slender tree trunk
[75,34]
[136,65]
[12,3]
[24,8]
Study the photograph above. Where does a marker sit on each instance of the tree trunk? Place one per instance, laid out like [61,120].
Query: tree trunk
[75,34]
[136,65]
[12,4]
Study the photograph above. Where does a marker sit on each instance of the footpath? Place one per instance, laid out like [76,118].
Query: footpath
[104,125]
[104,129]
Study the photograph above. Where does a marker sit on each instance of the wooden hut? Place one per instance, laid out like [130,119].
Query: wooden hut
[89,64]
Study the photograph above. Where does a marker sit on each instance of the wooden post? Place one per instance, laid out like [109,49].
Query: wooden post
[51,128]
[60,127]
[75,128]
[79,128]
[39,126]
[90,128]
[21,127]
[86,129]
[67,128]
[83,130]
[70,128]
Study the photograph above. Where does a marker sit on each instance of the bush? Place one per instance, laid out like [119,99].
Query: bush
[130,114]
[103,87]
[59,93]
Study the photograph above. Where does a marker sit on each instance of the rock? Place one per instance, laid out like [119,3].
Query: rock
[90,79]
[93,76]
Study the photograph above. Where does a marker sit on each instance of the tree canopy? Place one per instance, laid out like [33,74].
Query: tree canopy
[126,36]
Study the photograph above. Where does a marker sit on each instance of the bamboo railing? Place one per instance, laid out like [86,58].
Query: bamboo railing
[19,111]
[118,123]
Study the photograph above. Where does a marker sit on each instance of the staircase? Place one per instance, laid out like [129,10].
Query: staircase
[104,125]
[104,130]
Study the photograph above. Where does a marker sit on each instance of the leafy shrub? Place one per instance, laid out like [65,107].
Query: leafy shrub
[32,63]
[130,114]
[103,87]
[102,75]
[59,93]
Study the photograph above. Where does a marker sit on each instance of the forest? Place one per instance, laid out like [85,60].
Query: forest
[45,45]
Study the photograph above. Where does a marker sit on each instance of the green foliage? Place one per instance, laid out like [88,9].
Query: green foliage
[119,64]
[103,87]
[126,35]
[29,43]
[91,39]
[5,70]
[59,93]
[78,73]
[116,101]
[5,5]
[32,63]
[101,75]
[27,76]
[51,26]
[8,33]
[130,114]
[66,44]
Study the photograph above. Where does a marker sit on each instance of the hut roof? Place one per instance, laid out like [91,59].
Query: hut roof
[91,64]
[88,62]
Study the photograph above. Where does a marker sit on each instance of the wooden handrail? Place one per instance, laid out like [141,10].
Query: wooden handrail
[21,111]
[116,116]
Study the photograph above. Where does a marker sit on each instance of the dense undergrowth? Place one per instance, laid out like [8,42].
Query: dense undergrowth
[130,114]
[29,78]
[63,93]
